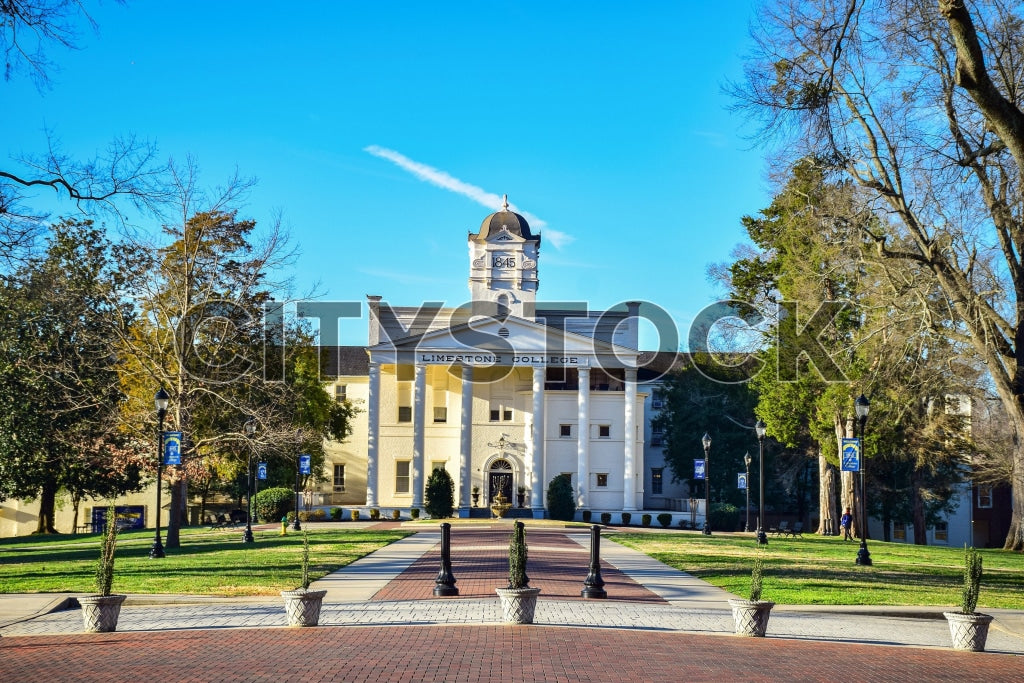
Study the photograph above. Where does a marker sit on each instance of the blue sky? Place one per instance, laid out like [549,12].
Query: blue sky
[604,121]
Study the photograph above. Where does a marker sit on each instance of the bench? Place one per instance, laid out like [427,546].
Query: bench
[782,529]
[797,530]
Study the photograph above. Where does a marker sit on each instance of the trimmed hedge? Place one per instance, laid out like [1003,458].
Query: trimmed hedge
[273,504]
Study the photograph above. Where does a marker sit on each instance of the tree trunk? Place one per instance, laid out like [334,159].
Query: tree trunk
[827,498]
[920,527]
[1015,536]
[174,514]
[47,503]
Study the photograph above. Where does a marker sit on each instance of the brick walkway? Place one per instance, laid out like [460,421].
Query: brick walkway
[477,653]
[558,565]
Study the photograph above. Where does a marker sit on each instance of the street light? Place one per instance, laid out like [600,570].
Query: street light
[250,428]
[761,428]
[746,462]
[161,401]
[706,440]
[296,526]
[862,405]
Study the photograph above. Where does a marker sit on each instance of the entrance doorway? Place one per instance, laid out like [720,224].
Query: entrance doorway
[499,478]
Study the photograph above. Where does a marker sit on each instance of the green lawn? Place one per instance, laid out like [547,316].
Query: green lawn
[207,563]
[820,570]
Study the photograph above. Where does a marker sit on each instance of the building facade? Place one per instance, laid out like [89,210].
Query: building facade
[504,393]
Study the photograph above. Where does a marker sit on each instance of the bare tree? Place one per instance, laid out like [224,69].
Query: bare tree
[919,103]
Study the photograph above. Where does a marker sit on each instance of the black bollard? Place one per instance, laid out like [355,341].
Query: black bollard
[444,585]
[593,587]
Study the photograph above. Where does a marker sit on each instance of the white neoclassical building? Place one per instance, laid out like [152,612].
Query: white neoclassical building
[504,392]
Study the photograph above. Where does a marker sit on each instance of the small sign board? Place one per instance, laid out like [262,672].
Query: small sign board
[741,480]
[304,465]
[850,455]
[261,470]
[698,469]
[172,448]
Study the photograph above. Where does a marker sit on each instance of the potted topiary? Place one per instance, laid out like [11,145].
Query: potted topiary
[302,606]
[967,628]
[520,495]
[518,600]
[751,616]
[100,612]
[476,496]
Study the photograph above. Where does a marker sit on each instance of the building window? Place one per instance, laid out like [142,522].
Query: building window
[339,478]
[440,414]
[656,435]
[984,496]
[656,479]
[565,431]
[899,531]
[402,476]
[604,431]
[437,465]
[340,392]
[942,532]
[405,413]
[602,480]
[657,402]
[500,412]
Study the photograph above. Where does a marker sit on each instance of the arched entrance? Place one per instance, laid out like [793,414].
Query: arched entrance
[499,478]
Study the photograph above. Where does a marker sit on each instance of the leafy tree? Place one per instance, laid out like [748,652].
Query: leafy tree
[209,333]
[918,103]
[560,500]
[60,393]
[696,404]
[439,501]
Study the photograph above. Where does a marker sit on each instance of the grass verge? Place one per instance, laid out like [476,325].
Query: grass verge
[821,570]
[207,563]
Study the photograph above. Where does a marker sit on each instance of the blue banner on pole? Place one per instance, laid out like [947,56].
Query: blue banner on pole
[172,448]
[261,470]
[304,465]
[698,469]
[741,480]
[850,457]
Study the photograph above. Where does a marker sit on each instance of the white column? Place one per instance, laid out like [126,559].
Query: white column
[373,433]
[629,442]
[419,398]
[536,463]
[466,441]
[583,439]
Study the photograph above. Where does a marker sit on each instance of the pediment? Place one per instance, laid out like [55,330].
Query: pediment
[511,341]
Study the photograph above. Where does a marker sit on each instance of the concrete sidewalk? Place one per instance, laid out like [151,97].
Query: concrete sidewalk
[644,594]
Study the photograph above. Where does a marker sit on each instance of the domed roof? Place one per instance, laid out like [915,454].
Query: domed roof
[509,220]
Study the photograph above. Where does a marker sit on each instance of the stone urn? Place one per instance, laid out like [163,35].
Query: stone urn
[100,612]
[302,607]
[968,631]
[751,616]
[518,604]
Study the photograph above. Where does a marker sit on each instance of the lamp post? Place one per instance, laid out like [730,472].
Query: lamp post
[746,462]
[249,428]
[706,440]
[296,526]
[862,405]
[761,428]
[161,401]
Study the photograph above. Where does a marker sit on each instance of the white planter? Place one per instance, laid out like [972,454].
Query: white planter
[751,616]
[100,612]
[968,631]
[518,604]
[302,607]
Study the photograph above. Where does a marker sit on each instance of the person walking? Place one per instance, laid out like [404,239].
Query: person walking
[846,521]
